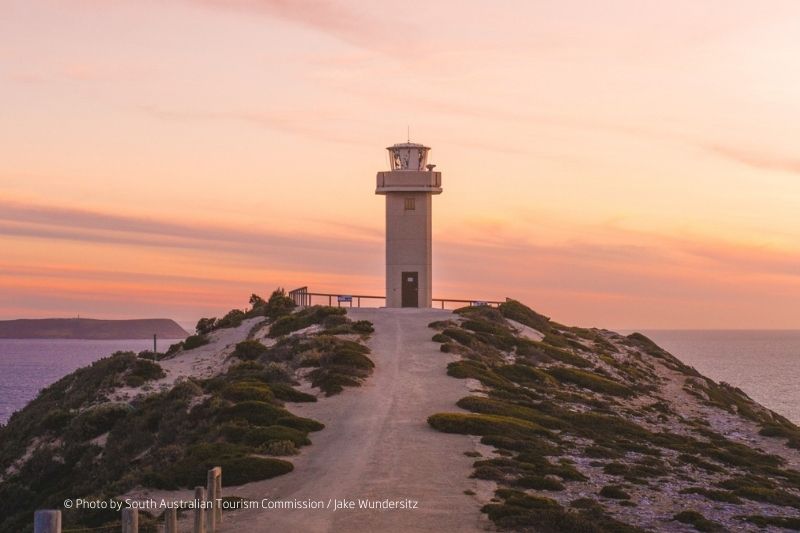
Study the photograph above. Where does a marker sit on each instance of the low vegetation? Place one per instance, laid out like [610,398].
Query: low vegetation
[80,443]
[572,410]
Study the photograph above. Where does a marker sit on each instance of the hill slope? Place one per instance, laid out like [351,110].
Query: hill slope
[92,329]
[485,418]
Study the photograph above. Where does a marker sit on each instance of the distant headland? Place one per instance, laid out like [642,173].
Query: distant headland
[90,329]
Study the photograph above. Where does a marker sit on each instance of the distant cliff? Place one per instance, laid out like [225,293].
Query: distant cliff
[87,328]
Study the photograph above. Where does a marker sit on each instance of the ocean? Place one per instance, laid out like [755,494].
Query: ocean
[29,365]
[763,363]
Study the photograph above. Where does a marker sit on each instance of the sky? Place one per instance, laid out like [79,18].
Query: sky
[622,164]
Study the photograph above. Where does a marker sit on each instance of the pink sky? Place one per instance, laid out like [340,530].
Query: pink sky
[623,164]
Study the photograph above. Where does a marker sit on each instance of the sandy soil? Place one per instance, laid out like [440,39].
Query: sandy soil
[377,445]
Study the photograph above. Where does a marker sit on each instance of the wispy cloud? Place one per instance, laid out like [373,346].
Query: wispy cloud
[759,160]
[350,23]
[280,248]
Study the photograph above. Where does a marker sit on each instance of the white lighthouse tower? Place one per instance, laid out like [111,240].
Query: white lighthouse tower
[408,187]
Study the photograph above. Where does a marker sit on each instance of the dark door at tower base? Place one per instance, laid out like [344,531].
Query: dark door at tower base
[410,289]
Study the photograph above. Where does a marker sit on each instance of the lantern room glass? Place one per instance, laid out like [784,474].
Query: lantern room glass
[408,156]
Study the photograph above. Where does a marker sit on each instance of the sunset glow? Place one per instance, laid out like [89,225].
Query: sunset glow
[623,164]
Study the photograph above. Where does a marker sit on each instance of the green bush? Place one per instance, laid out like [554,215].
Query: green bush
[302,319]
[247,391]
[784,522]
[258,413]
[258,436]
[142,371]
[590,381]
[287,393]
[249,350]
[97,420]
[514,310]
[700,522]
[363,326]
[332,382]
[439,337]
[490,406]
[477,424]
[525,374]
[615,492]
[540,483]
[301,424]
[194,341]
[477,370]
[241,470]
[233,319]
[278,304]
[714,494]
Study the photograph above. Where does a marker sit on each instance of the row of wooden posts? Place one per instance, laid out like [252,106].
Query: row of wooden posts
[205,520]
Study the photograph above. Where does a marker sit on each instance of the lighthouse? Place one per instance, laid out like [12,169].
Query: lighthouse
[409,188]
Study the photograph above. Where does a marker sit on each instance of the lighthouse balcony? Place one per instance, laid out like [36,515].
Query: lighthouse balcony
[409,181]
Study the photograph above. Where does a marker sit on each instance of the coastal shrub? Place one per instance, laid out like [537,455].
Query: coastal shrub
[699,462]
[490,406]
[142,371]
[249,350]
[440,337]
[535,349]
[520,511]
[301,424]
[205,326]
[255,412]
[194,341]
[278,304]
[241,470]
[763,494]
[526,374]
[528,444]
[519,312]
[459,335]
[590,381]
[363,326]
[287,393]
[700,522]
[258,436]
[232,319]
[539,483]
[331,382]
[56,420]
[349,354]
[302,319]
[714,494]
[785,522]
[615,492]
[477,424]
[279,447]
[477,370]
[97,420]
[246,391]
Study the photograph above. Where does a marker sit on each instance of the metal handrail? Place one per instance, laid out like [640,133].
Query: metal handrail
[302,297]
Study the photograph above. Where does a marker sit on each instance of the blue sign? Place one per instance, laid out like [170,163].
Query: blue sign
[344,298]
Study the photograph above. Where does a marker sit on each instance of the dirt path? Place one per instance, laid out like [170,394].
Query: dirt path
[377,445]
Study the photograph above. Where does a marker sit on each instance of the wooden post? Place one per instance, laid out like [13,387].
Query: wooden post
[130,520]
[199,512]
[218,490]
[47,521]
[214,492]
[171,521]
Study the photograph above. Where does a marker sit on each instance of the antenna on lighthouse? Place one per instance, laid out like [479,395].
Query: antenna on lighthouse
[408,131]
